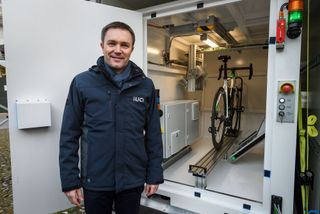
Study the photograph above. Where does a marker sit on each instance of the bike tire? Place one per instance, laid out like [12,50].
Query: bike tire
[218,118]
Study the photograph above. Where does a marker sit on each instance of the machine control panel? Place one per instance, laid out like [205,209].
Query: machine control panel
[286,101]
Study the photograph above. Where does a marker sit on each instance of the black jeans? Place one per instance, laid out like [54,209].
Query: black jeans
[100,202]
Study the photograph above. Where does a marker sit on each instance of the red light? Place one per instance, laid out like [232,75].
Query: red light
[287,88]
[281,31]
[295,5]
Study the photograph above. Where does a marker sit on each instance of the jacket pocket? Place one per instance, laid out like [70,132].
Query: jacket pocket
[99,105]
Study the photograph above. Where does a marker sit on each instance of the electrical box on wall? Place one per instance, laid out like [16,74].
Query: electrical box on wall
[33,113]
[180,125]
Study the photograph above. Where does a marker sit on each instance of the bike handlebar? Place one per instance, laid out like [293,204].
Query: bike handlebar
[224,67]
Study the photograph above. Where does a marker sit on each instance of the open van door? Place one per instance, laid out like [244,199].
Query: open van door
[47,42]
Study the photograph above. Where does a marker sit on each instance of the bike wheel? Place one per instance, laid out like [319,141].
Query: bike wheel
[235,111]
[218,118]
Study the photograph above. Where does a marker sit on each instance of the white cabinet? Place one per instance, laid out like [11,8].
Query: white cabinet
[192,121]
[179,124]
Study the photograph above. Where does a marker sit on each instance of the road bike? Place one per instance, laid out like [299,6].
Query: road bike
[227,103]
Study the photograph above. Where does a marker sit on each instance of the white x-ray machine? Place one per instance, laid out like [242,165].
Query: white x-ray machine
[280,134]
[33,148]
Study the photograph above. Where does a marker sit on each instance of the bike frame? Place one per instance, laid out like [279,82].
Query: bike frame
[232,80]
[226,89]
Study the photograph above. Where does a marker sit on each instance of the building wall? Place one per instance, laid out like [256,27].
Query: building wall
[1,35]
[47,44]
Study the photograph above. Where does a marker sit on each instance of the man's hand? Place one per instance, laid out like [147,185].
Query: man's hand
[150,189]
[75,197]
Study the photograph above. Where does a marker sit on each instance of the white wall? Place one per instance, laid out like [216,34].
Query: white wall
[168,85]
[254,90]
[254,94]
[156,42]
[280,146]
[47,42]
[1,35]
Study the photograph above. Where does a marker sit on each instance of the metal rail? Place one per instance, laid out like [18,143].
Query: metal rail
[205,165]
[168,162]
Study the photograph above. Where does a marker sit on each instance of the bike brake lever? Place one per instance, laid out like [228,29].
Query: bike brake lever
[251,71]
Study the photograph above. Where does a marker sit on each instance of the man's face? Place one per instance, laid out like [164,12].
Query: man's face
[117,47]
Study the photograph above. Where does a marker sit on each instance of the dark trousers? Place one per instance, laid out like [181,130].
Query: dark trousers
[101,202]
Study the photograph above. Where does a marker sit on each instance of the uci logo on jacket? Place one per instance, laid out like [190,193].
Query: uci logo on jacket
[138,99]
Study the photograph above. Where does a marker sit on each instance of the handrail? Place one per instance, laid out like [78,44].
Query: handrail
[3,107]
[4,121]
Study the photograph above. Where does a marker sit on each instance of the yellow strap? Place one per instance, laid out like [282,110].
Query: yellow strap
[312,131]
[303,156]
[312,119]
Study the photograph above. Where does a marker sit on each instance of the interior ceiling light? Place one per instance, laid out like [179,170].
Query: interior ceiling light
[204,38]
[152,50]
[211,24]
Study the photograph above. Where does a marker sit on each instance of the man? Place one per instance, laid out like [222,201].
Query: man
[112,107]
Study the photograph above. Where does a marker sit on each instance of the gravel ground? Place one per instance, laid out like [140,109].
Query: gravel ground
[6,203]
[74,210]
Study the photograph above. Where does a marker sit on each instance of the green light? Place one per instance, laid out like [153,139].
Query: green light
[233,158]
[295,16]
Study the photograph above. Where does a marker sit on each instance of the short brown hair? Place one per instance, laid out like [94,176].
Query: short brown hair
[120,25]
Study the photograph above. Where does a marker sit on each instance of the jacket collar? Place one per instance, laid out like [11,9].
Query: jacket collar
[135,72]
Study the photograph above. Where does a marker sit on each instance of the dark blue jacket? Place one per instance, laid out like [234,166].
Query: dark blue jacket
[121,145]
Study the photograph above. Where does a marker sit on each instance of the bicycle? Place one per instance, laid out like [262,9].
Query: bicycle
[227,104]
